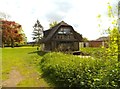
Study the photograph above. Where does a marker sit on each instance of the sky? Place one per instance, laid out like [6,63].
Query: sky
[81,14]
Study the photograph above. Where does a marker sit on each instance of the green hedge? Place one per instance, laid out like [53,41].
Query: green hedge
[95,52]
[72,71]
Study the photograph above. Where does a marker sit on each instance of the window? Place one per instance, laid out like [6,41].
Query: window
[64,31]
[61,31]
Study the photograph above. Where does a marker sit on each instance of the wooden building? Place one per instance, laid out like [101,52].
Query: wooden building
[102,41]
[61,37]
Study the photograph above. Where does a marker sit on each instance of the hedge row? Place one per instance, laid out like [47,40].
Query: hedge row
[72,71]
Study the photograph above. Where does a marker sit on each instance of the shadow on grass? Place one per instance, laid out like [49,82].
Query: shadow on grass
[40,53]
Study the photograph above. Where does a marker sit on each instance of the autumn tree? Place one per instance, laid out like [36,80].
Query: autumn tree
[37,32]
[11,32]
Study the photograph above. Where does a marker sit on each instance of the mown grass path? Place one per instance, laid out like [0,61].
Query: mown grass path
[20,68]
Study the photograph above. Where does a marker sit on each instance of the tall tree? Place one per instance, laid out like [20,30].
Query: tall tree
[114,35]
[114,32]
[53,24]
[37,32]
[11,32]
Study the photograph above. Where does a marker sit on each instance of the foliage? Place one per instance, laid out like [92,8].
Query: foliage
[95,52]
[114,42]
[37,32]
[11,32]
[113,33]
[53,24]
[72,71]
[85,39]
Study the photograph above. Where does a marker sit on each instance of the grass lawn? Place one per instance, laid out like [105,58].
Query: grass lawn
[25,60]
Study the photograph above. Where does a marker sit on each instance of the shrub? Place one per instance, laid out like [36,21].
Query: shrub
[72,71]
[95,52]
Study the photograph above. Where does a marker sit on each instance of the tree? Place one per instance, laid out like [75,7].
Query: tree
[114,35]
[114,44]
[11,32]
[37,32]
[119,31]
[53,24]
[85,39]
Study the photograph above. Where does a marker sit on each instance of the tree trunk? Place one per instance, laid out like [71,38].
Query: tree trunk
[12,43]
[3,45]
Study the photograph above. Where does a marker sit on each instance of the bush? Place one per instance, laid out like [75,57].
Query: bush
[94,52]
[72,71]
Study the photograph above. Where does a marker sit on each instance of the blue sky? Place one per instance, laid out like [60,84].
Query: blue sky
[81,14]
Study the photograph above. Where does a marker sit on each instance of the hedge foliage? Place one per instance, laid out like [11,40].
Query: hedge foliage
[72,71]
[95,52]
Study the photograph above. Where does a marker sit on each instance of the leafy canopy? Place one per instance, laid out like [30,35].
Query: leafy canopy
[11,32]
